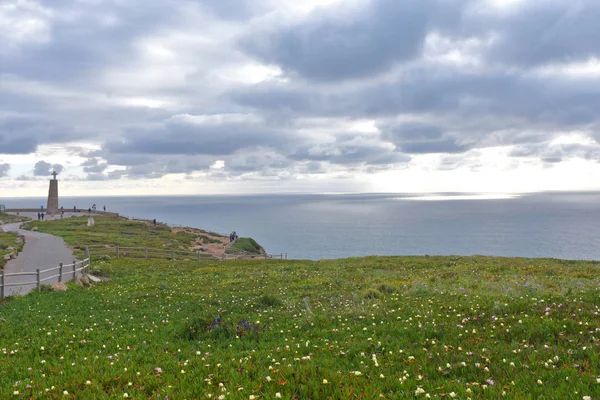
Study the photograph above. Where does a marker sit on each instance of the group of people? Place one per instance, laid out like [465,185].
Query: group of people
[233,236]
[40,216]
[90,209]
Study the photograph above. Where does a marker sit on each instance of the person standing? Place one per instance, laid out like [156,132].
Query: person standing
[39,216]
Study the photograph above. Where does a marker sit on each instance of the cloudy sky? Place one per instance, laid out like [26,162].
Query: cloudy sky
[247,96]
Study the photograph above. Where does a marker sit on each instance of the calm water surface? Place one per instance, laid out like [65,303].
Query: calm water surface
[561,225]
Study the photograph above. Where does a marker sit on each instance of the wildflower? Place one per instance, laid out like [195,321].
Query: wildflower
[452,394]
[125,395]
[587,397]
[357,373]
[252,397]
[325,382]
[88,382]
[16,392]
[381,376]
[539,381]
[65,393]
[419,391]
[268,379]
[277,395]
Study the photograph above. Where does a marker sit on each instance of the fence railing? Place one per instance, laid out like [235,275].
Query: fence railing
[68,271]
[98,251]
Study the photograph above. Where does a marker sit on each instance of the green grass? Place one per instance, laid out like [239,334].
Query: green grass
[114,231]
[472,327]
[7,240]
[10,218]
[246,245]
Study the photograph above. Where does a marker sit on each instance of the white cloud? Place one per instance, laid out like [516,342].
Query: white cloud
[23,22]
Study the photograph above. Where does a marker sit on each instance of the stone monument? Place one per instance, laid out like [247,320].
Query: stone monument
[53,195]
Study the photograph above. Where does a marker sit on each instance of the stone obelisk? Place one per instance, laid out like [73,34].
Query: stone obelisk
[53,195]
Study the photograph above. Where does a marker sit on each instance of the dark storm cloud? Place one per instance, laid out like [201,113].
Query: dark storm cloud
[43,168]
[554,100]
[415,138]
[22,135]
[100,35]
[94,165]
[544,32]
[351,150]
[334,45]
[203,135]
[234,9]
[4,168]
[365,60]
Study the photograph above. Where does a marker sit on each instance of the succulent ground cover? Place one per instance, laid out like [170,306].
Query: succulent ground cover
[361,328]
[129,233]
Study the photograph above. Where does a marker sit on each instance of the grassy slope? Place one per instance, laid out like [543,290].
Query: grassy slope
[246,245]
[114,231]
[9,218]
[7,240]
[476,327]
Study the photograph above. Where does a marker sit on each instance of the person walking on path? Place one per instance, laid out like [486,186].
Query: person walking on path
[42,216]
[40,251]
[39,216]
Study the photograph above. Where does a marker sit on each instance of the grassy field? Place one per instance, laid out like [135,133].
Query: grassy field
[406,327]
[125,233]
[9,218]
[7,240]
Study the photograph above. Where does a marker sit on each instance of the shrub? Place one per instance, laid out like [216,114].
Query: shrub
[385,288]
[101,269]
[371,294]
[268,300]
[46,288]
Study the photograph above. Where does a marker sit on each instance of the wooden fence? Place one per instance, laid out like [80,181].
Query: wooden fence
[97,252]
[68,271]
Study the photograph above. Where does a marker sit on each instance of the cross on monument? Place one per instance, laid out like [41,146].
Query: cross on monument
[54,173]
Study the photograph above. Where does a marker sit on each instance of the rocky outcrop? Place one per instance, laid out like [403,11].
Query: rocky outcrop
[59,287]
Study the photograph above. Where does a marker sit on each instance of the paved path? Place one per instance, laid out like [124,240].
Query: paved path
[41,251]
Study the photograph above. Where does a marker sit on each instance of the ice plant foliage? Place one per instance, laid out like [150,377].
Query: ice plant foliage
[407,327]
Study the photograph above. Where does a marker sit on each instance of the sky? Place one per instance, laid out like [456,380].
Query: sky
[125,97]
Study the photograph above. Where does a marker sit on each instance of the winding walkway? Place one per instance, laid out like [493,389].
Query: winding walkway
[41,251]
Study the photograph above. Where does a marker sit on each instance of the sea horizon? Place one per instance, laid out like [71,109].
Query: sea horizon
[319,226]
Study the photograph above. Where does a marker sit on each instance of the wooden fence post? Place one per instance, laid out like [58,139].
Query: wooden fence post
[87,252]
[74,269]
[60,272]
[39,289]
[2,285]
[172,255]
[117,248]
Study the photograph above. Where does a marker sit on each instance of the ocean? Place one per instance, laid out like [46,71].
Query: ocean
[556,225]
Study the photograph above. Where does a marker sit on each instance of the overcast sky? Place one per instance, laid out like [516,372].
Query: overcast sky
[247,96]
